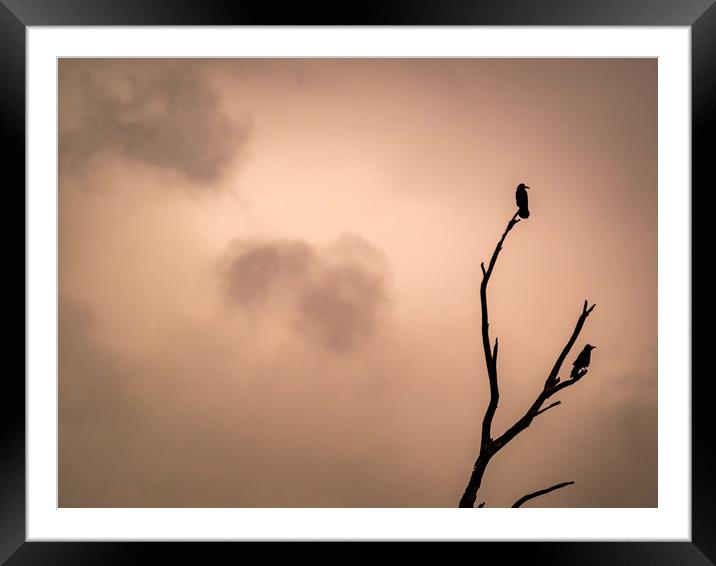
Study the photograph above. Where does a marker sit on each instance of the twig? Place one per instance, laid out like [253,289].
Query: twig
[548,407]
[529,496]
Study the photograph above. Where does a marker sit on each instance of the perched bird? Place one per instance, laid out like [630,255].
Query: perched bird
[582,360]
[521,198]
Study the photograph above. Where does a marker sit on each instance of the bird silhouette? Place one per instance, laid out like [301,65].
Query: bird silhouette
[521,198]
[583,359]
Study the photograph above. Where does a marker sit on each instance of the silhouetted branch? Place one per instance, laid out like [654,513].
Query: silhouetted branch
[511,224]
[552,385]
[468,498]
[529,496]
[491,355]
[549,407]
[565,351]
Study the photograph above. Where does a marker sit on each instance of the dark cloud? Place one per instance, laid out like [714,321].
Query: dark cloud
[341,308]
[333,295]
[258,269]
[166,116]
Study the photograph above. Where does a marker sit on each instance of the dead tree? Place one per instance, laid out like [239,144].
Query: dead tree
[490,446]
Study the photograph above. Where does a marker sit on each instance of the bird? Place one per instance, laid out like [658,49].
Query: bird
[583,359]
[521,198]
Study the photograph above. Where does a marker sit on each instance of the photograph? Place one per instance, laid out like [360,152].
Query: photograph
[357,282]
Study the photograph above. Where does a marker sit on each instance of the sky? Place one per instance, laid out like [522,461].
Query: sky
[269,277]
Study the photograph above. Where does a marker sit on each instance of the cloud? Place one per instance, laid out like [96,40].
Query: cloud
[165,115]
[257,270]
[332,295]
[341,308]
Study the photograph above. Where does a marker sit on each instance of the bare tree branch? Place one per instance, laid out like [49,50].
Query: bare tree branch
[532,495]
[548,407]
[491,355]
[552,385]
[551,378]
[468,498]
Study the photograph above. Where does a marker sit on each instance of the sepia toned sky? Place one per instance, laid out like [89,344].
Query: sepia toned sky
[269,280]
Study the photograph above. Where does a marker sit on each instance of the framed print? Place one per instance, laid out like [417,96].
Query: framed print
[260,257]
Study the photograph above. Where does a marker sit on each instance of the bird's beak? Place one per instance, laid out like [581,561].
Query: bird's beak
[526,187]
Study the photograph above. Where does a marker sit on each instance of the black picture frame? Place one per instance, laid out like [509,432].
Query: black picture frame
[16,15]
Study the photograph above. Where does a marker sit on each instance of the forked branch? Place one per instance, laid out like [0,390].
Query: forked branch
[552,385]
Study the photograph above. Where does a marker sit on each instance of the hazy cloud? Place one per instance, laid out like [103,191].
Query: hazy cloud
[166,116]
[333,295]
[256,270]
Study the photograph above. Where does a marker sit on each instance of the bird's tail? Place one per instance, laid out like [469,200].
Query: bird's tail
[524,213]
